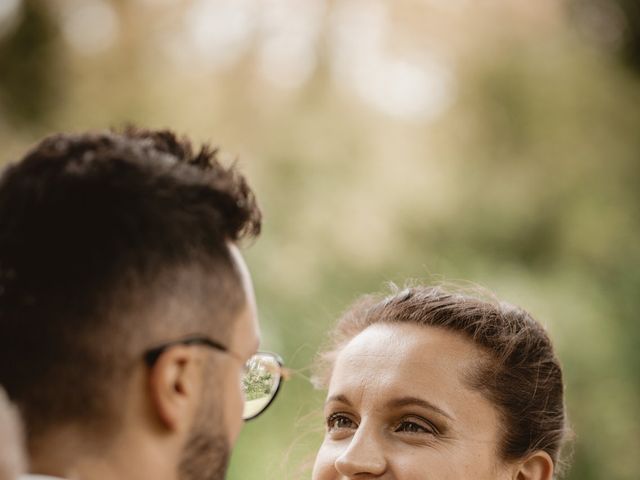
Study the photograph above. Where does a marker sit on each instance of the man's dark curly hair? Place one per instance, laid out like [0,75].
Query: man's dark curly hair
[96,231]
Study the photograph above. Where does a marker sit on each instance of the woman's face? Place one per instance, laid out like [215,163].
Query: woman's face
[398,407]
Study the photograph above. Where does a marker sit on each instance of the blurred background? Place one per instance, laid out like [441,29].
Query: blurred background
[493,141]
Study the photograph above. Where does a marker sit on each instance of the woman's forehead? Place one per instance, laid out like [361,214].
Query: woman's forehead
[387,360]
[410,344]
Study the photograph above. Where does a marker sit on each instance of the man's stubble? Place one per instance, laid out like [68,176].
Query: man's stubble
[206,453]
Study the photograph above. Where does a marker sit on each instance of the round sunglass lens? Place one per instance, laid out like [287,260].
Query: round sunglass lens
[260,383]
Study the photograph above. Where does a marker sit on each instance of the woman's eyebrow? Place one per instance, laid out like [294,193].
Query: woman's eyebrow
[415,401]
[338,398]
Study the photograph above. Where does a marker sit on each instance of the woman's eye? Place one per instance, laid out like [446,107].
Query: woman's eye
[409,426]
[339,421]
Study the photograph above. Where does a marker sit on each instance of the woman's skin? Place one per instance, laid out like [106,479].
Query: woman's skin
[398,407]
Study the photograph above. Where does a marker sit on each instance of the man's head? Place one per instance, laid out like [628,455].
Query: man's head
[111,244]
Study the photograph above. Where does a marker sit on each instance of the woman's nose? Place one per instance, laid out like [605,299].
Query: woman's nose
[364,456]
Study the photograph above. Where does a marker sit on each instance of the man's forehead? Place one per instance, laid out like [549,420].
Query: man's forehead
[242,269]
[246,338]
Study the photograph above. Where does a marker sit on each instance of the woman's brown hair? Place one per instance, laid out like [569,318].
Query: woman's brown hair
[520,375]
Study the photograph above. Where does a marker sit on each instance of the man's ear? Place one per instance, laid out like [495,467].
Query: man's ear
[537,466]
[175,385]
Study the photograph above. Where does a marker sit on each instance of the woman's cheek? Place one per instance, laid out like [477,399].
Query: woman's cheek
[324,468]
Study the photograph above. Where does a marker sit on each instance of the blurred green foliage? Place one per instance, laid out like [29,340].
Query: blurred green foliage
[528,184]
[29,63]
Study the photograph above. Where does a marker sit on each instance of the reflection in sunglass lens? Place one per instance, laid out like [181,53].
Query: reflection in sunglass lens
[260,383]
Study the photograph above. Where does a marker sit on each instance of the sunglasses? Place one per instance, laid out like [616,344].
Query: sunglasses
[263,374]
